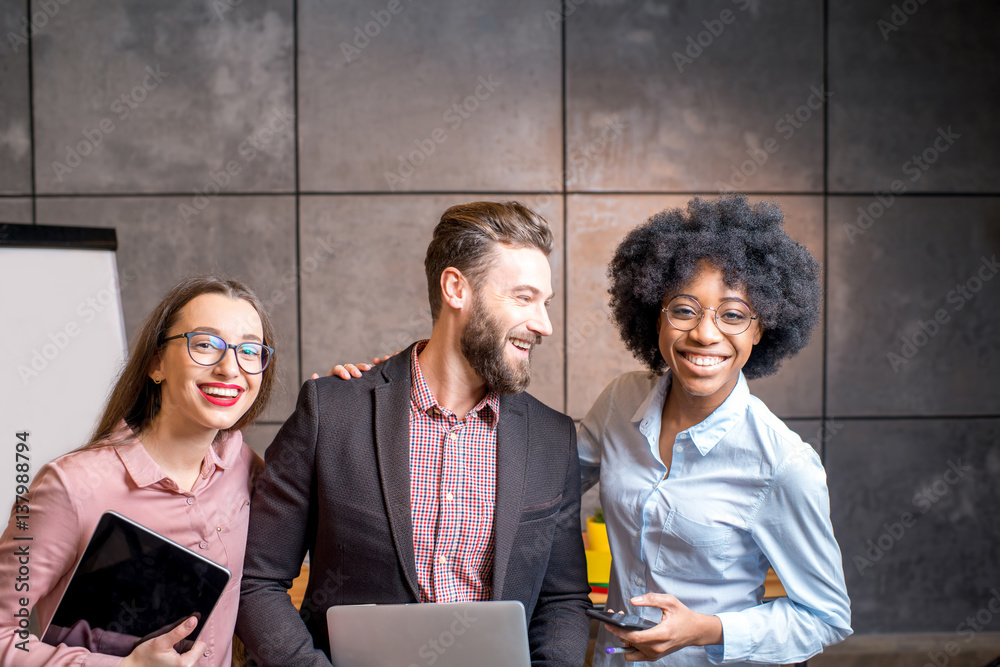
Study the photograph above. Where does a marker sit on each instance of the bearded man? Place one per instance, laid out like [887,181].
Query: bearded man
[433,478]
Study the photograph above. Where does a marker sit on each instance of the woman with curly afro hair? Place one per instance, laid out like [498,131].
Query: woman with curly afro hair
[702,487]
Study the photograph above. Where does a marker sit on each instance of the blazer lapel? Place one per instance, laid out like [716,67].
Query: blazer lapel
[512,457]
[392,444]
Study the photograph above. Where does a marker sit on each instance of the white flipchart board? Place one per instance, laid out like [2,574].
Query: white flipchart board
[63,341]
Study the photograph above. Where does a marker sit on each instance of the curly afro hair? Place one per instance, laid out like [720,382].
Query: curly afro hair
[748,244]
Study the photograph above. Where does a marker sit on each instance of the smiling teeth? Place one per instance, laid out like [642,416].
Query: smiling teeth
[219,391]
[704,361]
[520,344]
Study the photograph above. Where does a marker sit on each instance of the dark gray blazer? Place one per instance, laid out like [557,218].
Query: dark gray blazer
[337,484]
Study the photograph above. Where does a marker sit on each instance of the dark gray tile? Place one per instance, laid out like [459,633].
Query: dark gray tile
[912,650]
[15,209]
[165,96]
[913,506]
[379,113]
[259,436]
[813,431]
[796,390]
[15,114]
[697,125]
[248,238]
[913,306]
[896,89]
[366,293]
[595,353]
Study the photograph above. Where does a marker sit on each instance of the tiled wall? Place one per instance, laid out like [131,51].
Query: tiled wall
[279,142]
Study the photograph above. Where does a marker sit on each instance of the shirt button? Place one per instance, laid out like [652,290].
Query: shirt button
[442,560]
[190,500]
[203,545]
[454,436]
[638,581]
[678,449]
[449,496]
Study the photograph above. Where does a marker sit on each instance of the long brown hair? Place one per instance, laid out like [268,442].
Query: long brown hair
[136,398]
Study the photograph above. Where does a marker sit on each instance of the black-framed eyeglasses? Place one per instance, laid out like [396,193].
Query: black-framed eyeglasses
[732,317]
[207,349]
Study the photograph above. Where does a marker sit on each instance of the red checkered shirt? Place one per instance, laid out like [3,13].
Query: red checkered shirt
[453,475]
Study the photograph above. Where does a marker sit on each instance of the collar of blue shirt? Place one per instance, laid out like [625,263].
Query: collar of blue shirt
[706,434]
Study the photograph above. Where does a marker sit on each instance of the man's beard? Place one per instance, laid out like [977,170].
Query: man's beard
[484,343]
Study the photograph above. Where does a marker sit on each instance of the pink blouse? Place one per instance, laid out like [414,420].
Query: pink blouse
[67,498]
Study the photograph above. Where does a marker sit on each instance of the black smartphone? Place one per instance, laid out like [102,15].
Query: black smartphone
[622,620]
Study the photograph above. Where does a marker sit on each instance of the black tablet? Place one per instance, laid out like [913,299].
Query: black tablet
[133,584]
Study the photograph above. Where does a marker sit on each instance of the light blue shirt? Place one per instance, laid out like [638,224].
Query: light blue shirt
[744,492]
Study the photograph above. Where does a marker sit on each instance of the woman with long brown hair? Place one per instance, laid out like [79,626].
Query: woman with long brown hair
[167,453]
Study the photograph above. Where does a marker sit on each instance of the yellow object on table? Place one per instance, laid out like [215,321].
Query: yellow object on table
[598,554]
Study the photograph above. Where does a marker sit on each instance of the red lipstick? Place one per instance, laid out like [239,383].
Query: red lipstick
[221,401]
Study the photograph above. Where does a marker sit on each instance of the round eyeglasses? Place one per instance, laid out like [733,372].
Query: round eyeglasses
[732,317]
[207,349]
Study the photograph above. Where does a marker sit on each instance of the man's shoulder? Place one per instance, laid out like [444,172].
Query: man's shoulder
[535,409]
[336,385]
[394,369]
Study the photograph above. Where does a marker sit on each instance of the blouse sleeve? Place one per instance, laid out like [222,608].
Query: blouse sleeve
[38,548]
[792,528]
[590,437]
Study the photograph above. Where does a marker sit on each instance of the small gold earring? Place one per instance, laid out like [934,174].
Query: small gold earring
[155,381]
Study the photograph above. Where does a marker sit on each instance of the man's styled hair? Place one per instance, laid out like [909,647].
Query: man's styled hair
[466,238]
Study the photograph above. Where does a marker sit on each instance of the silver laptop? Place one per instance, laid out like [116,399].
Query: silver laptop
[454,634]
